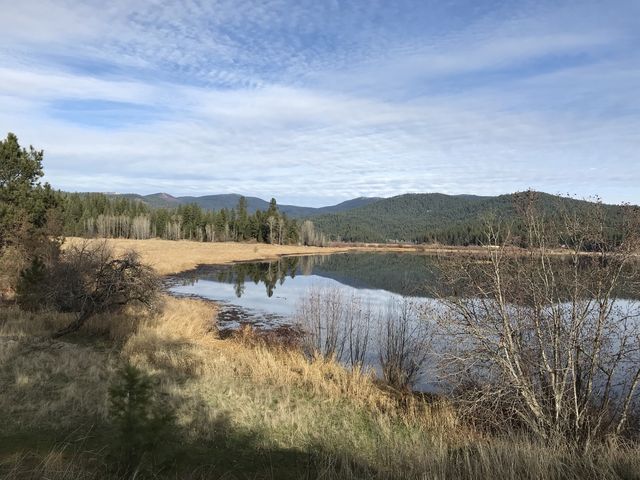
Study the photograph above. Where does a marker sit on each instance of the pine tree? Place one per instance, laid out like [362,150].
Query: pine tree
[140,422]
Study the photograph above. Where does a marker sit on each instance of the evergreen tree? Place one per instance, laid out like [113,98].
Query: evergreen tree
[141,423]
[22,199]
[242,219]
[27,209]
[100,215]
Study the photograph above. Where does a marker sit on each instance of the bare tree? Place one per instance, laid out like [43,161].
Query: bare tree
[113,226]
[281,225]
[547,341]
[141,227]
[173,228]
[310,236]
[210,232]
[271,221]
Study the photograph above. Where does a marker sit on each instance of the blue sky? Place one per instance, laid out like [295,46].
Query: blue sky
[315,102]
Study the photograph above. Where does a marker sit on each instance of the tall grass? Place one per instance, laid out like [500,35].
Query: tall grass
[244,409]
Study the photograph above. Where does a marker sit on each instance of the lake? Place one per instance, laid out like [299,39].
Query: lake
[267,294]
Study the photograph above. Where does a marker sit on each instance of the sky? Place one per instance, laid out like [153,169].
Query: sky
[315,102]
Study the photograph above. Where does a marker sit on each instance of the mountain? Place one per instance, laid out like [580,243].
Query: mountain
[230,200]
[414,217]
[450,219]
[155,200]
[349,204]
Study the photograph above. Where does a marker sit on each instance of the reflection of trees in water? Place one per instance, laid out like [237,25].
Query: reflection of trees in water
[270,273]
[564,269]
[401,273]
[421,275]
[404,274]
[308,263]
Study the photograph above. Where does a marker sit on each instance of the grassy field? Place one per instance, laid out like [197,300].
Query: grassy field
[168,256]
[244,408]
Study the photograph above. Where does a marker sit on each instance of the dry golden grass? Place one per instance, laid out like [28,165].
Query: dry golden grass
[46,383]
[215,385]
[168,256]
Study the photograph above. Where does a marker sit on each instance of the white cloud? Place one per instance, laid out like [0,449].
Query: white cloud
[247,103]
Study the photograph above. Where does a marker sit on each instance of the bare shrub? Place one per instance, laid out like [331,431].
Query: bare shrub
[340,326]
[320,314]
[335,325]
[404,343]
[87,280]
[546,342]
[358,322]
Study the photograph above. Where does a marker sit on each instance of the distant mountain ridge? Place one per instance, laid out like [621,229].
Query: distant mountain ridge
[429,217]
[411,217]
[230,200]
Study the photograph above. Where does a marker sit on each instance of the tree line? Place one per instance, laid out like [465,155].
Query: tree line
[107,216]
[32,210]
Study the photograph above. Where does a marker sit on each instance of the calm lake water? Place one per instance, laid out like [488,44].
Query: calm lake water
[268,293]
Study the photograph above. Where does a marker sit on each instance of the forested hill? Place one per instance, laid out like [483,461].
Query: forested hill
[428,217]
[424,217]
[229,201]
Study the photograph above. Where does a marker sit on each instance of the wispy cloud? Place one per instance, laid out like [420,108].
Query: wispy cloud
[316,102]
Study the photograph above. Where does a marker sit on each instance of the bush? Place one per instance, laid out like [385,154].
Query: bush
[86,279]
[405,343]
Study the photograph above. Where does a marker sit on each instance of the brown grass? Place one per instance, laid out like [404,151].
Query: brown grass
[279,399]
[286,400]
[168,256]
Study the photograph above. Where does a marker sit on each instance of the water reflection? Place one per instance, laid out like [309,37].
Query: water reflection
[268,273]
[274,288]
[403,274]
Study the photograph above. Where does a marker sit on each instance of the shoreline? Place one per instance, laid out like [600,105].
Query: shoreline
[173,257]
